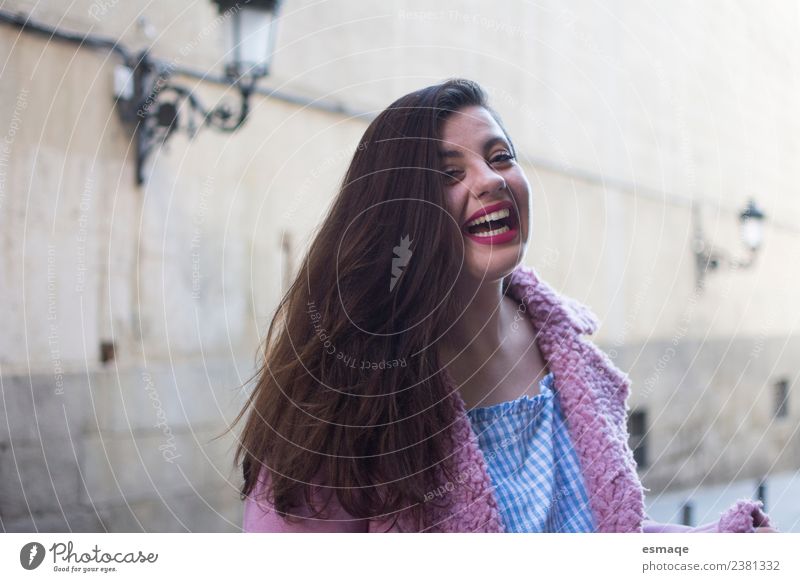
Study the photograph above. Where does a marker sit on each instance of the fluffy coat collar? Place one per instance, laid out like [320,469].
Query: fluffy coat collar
[593,394]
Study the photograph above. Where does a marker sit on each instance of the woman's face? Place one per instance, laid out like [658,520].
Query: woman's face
[487,193]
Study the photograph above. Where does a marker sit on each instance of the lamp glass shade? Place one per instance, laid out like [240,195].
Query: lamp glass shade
[248,37]
[752,232]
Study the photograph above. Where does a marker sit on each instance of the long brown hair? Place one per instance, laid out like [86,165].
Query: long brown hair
[350,386]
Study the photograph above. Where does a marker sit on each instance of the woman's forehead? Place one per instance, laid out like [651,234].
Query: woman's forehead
[469,126]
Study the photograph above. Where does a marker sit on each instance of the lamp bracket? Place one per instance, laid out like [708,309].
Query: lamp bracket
[159,107]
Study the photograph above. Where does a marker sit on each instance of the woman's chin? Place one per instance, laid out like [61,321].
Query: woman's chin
[494,268]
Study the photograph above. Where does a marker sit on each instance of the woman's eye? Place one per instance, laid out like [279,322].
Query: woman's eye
[503,157]
[451,175]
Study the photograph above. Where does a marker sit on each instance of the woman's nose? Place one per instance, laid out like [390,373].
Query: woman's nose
[487,181]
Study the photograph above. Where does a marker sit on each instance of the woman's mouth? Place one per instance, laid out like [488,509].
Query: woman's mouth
[495,224]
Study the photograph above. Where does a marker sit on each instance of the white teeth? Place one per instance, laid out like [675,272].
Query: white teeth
[500,230]
[504,213]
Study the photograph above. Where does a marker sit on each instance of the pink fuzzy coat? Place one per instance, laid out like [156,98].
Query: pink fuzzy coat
[593,395]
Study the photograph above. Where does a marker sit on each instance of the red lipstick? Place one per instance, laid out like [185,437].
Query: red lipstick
[503,226]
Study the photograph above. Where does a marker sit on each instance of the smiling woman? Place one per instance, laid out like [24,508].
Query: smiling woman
[503,417]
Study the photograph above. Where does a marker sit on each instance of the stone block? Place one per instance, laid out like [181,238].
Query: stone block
[119,468]
[44,407]
[74,519]
[38,478]
[175,394]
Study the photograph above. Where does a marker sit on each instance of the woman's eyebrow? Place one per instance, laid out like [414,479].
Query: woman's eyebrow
[488,144]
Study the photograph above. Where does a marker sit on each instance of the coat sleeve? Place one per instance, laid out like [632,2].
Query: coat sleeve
[260,516]
[742,517]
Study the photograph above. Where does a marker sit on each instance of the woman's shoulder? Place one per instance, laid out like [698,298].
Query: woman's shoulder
[260,514]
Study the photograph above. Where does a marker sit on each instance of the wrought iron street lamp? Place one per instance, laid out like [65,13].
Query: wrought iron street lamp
[709,258]
[752,221]
[157,107]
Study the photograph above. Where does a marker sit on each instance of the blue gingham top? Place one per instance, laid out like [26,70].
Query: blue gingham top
[534,469]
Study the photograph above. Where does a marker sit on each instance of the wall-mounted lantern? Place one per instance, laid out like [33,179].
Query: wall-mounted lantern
[249,36]
[709,258]
[156,107]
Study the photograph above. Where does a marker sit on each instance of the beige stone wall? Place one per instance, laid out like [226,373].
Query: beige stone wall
[624,114]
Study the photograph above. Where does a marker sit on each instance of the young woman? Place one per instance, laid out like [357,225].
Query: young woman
[416,377]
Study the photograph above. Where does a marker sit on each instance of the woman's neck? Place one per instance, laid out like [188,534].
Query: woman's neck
[482,326]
